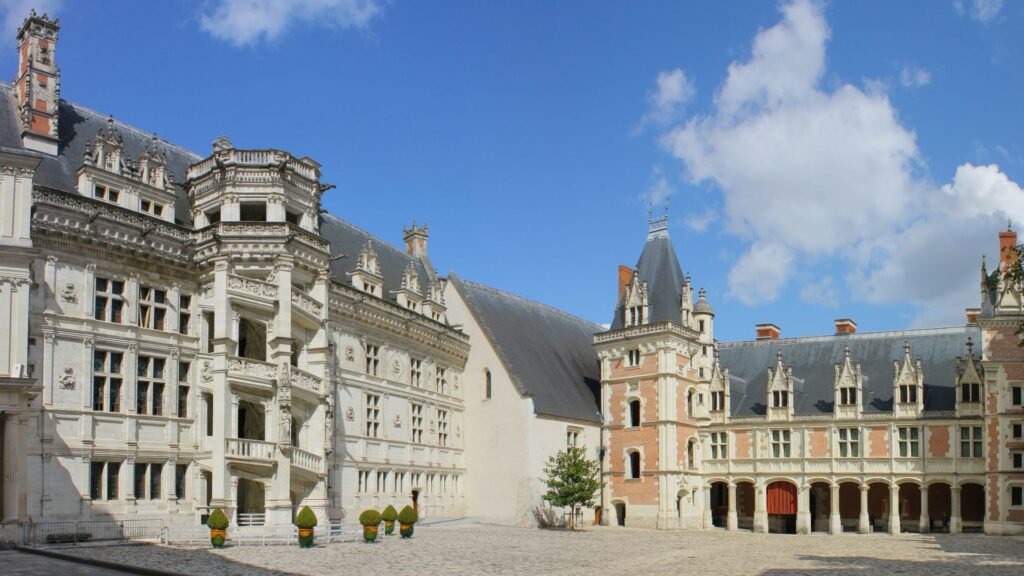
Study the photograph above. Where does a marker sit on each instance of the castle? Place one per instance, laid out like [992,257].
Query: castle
[180,333]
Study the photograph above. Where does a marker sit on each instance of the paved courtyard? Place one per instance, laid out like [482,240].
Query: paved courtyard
[457,550]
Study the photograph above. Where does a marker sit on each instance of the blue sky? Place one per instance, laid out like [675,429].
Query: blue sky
[822,160]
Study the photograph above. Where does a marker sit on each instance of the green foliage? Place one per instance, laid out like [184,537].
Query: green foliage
[218,520]
[408,516]
[305,518]
[369,518]
[572,479]
[389,514]
[1013,275]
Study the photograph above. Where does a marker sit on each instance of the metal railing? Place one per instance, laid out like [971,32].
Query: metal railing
[76,532]
[252,518]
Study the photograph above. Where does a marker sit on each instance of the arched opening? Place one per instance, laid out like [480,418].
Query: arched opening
[252,422]
[878,507]
[689,403]
[940,507]
[251,507]
[782,507]
[691,461]
[820,503]
[745,505]
[634,464]
[634,412]
[910,507]
[719,504]
[849,506]
[972,507]
[620,513]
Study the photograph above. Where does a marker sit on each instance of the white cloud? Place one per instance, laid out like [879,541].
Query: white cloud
[15,11]
[822,293]
[659,190]
[245,22]
[980,10]
[912,77]
[666,102]
[810,174]
[699,222]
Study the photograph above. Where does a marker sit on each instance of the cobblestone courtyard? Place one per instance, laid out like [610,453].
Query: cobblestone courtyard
[498,550]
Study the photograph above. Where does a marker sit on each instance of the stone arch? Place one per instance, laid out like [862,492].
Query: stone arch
[940,505]
[879,504]
[691,453]
[745,501]
[972,506]
[909,504]
[634,411]
[691,401]
[849,504]
[620,511]
[782,505]
[819,501]
[719,492]
[634,463]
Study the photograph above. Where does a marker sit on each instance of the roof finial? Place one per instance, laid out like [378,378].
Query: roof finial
[906,347]
[970,347]
[846,351]
[667,198]
[1009,225]
[650,211]
[778,355]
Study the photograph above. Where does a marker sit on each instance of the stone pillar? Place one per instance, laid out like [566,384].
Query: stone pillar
[731,520]
[835,521]
[709,521]
[803,510]
[10,471]
[894,509]
[760,509]
[863,524]
[955,525]
[924,525]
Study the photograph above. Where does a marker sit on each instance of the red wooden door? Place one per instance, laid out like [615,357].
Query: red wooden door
[781,498]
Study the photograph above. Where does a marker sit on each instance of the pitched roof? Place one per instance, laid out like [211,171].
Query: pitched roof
[813,359]
[348,240]
[658,266]
[78,127]
[548,353]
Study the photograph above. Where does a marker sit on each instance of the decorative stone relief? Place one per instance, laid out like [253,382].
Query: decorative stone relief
[67,381]
[398,421]
[350,354]
[350,414]
[69,293]
[396,368]
[205,372]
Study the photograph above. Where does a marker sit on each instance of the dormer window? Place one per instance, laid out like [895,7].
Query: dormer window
[412,306]
[847,396]
[717,401]
[636,315]
[370,288]
[104,193]
[780,398]
[908,393]
[633,358]
[700,326]
[970,392]
[149,207]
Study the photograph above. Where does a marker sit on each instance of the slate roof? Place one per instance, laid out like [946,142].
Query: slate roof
[813,361]
[78,127]
[548,353]
[349,240]
[659,267]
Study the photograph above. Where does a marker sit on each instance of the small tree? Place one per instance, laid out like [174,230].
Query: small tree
[1013,275]
[572,480]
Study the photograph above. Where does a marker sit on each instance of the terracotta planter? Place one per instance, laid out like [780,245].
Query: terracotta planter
[217,538]
[305,537]
[389,527]
[405,530]
[369,533]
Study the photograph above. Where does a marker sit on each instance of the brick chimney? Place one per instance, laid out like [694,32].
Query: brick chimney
[625,277]
[972,315]
[1007,243]
[845,326]
[416,240]
[767,332]
[37,83]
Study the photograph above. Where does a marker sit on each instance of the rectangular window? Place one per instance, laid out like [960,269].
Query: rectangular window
[104,193]
[150,207]
[970,392]
[182,401]
[442,427]
[150,387]
[372,415]
[96,480]
[364,481]
[441,377]
[152,307]
[109,300]
[372,359]
[717,401]
[415,372]
[416,423]
[156,473]
[847,396]
[633,358]
[909,442]
[1018,395]
[781,443]
[106,383]
[140,481]
[1017,496]
[908,393]
[180,474]
[780,398]
[849,443]
[970,442]
[113,472]
[719,445]
[1018,460]
[573,437]
[1018,430]
[184,314]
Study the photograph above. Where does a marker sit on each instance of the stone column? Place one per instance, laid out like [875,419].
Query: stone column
[708,519]
[955,526]
[924,526]
[760,509]
[803,510]
[10,463]
[835,521]
[731,520]
[894,509]
[863,524]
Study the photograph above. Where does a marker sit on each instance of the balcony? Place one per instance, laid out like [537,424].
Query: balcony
[307,304]
[306,381]
[252,372]
[246,449]
[252,291]
[307,461]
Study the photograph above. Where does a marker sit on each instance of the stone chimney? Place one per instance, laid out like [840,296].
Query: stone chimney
[972,316]
[625,277]
[37,83]
[767,332]
[1007,243]
[415,239]
[845,326]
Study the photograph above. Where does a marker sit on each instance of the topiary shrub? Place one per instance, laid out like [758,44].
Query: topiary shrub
[408,516]
[305,518]
[369,518]
[218,520]
[389,515]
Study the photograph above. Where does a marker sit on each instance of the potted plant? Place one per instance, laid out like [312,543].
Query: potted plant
[389,515]
[305,520]
[218,525]
[370,519]
[406,518]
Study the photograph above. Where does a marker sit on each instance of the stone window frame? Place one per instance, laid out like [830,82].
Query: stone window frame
[372,411]
[848,395]
[780,441]
[718,445]
[146,375]
[415,372]
[970,392]
[371,350]
[633,358]
[1019,486]
[110,297]
[628,463]
[104,486]
[717,400]
[573,437]
[153,313]
[103,372]
[416,422]
[1017,430]
[1017,459]
[910,445]
[443,422]
[627,416]
[851,442]
[974,442]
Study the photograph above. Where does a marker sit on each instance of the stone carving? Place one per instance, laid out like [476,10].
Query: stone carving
[398,421]
[350,414]
[350,354]
[253,287]
[69,293]
[246,367]
[205,372]
[67,381]
[328,401]
[307,303]
[396,367]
